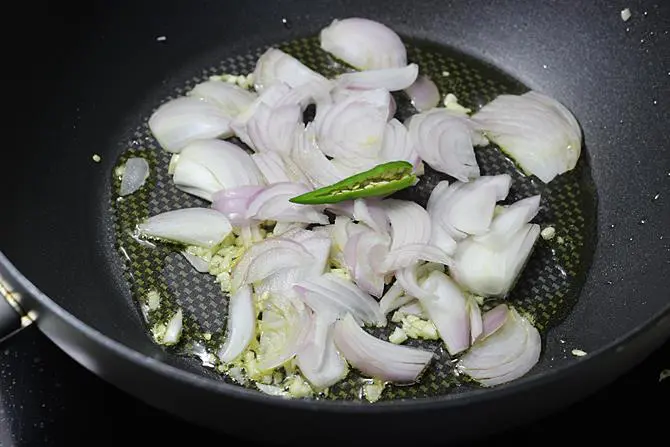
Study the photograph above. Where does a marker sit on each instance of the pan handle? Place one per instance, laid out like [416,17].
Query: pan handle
[12,317]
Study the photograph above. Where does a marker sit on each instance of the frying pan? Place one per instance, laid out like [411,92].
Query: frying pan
[91,77]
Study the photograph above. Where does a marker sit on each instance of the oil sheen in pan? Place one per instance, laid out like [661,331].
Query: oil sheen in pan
[547,289]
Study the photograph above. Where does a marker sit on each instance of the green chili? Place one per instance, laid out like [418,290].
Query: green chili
[383,179]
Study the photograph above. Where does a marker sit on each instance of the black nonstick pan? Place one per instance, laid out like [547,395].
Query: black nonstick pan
[92,74]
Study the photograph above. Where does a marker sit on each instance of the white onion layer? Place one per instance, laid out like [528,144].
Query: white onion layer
[540,133]
[184,120]
[364,44]
[241,324]
[203,227]
[378,358]
[135,173]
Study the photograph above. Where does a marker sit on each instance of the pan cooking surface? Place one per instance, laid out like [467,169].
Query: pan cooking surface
[547,290]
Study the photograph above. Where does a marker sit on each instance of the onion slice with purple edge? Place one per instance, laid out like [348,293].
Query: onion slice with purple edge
[234,202]
[363,254]
[206,167]
[241,324]
[203,227]
[537,131]
[494,319]
[276,66]
[423,94]
[318,359]
[332,294]
[184,120]
[378,358]
[273,204]
[505,355]
[410,254]
[509,220]
[135,173]
[364,44]
[372,213]
[391,79]
[448,309]
[444,139]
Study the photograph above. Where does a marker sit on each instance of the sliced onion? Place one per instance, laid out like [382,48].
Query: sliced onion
[372,213]
[276,66]
[353,127]
[363,254]
[332,294]
[284,327]
[257,254]
[408,278]
[241,324]
[282,227]
[476,320]
[205,167]
[423,94]
[509,220]
[135,173]
[184,120]
[394,298]
[230,98]
[270,97]
[461,209]
[234,202]
[541,135]
[191,226]
[273,204]
[319,360]
[364,44]
[492,269]
[314,92]
[397,144]
[310,159]
[410,223]
[411,253]
[173,329]
[249,234]
[201,265]
[271,129]
[277,169]
[447,308]
[391,79]
[504,356]
[494,319]
[377,358]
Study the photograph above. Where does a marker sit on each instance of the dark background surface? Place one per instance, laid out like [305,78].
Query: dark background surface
[46,399]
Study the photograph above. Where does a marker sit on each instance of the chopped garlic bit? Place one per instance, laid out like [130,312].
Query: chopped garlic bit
[578,353]
[560,240]
[153,300]
[240,80]
[161,38]
[398,336]
[119,170]
[445,73]
[207,336]
[414,327]
[664,375]
[451,103]
[298,387]
[373,390]
[548,233]
[96,158]
[625,14]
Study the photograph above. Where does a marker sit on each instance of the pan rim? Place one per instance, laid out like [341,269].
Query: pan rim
[452,400]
